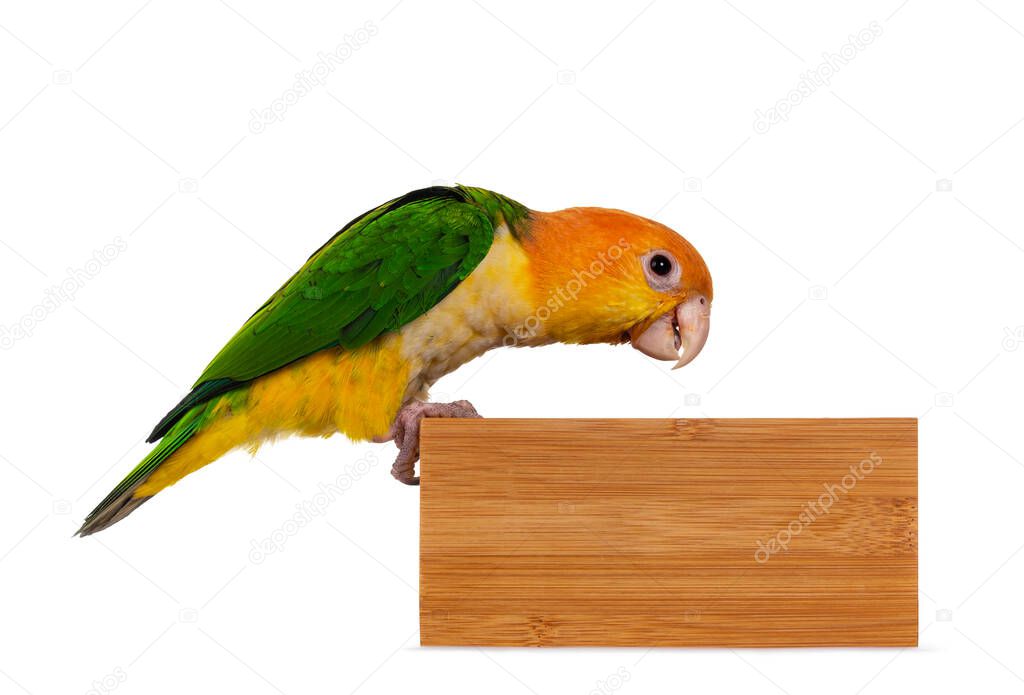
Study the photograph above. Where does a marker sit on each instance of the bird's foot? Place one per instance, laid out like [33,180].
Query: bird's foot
[405,432]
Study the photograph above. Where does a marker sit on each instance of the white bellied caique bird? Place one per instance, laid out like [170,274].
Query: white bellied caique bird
[403,295]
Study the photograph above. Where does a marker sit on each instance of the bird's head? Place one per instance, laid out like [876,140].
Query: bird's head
[607,276]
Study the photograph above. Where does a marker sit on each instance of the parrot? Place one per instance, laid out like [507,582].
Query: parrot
[408,292]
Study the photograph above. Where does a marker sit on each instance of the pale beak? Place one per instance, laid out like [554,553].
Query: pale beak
[677,335]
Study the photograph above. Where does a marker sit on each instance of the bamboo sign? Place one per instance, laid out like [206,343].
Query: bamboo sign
[717,532]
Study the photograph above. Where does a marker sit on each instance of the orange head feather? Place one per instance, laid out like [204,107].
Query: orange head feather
[606,276]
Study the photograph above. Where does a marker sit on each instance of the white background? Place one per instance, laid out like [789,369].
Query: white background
[848,283]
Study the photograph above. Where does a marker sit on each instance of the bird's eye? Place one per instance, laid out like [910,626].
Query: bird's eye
[661,270]
[660,265]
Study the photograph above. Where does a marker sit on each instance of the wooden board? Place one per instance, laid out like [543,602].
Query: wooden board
[669,532]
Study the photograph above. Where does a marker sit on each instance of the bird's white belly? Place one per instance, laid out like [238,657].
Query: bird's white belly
[478,315]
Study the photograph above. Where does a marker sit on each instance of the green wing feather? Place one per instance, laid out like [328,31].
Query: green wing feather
[383,270]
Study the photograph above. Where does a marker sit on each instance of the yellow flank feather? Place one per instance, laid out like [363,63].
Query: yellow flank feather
[356,393]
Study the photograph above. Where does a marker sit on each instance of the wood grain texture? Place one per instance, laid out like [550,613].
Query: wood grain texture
[659,532]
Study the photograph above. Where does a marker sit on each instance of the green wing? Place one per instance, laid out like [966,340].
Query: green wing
[380,272]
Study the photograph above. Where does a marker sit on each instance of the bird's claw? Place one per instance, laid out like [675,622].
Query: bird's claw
[405,432]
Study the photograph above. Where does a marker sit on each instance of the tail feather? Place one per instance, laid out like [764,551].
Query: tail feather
[121,502]
[200,394]
[111,514]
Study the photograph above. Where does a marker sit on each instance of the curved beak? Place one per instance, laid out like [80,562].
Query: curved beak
[677,335]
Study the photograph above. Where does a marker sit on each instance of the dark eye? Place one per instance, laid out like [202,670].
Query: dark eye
[660,265]
[661,270]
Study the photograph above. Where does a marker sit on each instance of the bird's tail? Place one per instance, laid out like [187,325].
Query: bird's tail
[201,436]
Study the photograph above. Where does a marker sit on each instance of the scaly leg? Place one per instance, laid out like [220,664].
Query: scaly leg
[405,432]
